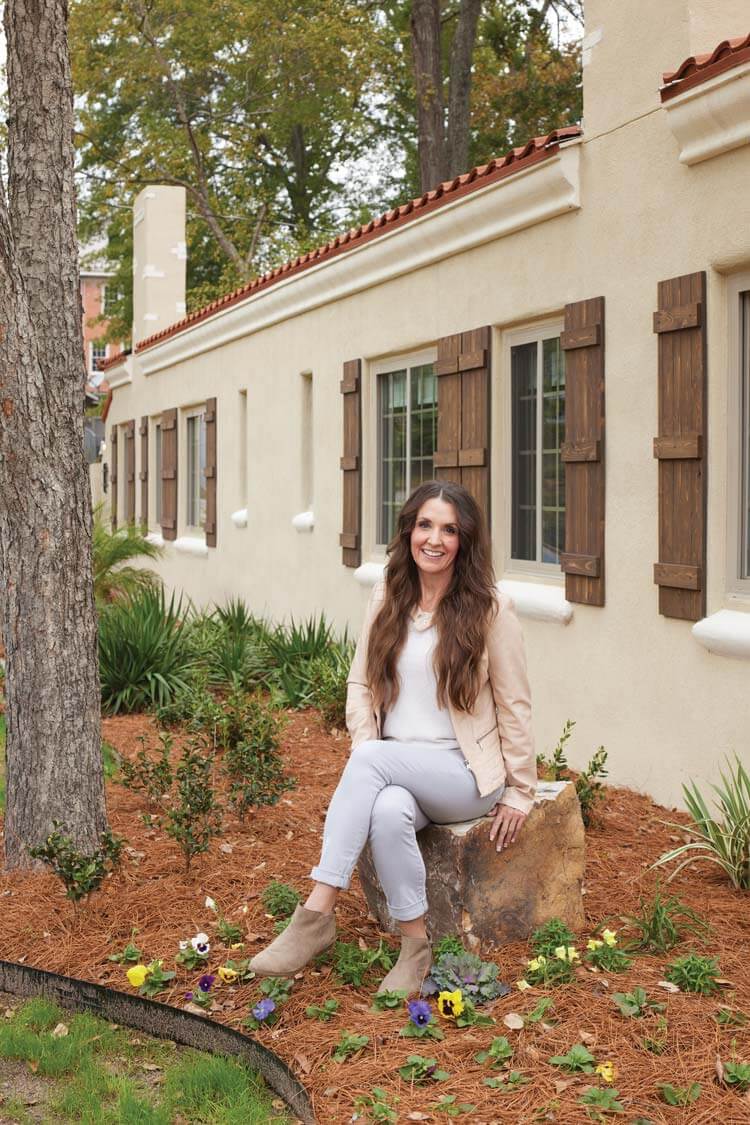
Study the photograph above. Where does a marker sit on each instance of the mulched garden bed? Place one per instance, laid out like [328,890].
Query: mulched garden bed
[152,893]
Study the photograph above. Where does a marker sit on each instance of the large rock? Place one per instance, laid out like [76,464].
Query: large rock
[493,897]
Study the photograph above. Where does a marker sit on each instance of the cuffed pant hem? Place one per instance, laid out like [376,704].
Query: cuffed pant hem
[330,878]
[408,913]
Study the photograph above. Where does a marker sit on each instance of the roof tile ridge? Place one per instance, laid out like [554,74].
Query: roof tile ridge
[694,63]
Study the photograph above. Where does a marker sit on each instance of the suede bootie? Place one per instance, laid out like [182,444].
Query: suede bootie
[412,966]
[309,933]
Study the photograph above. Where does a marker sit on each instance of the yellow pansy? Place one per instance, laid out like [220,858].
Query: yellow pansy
[137,975]
[607,1071]
[450,1004]
[609,937]
[229,976]
[566,953]
[594,943]
[238,945]
[533,965]
[522,985]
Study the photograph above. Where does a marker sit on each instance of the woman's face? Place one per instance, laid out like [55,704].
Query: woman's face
[435,539]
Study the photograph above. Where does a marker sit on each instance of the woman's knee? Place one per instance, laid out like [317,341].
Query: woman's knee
[394,809]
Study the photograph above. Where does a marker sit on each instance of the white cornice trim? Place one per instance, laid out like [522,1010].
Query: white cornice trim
[123,377]
[538,601]
[191,545]
[726,633]
[523,199]
[713,117]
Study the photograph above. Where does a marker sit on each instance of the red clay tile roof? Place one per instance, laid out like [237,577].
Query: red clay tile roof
[699,68]
[535,150]
[113,360]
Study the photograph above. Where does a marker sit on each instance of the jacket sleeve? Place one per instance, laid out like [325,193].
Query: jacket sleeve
[361,721]
[510,688]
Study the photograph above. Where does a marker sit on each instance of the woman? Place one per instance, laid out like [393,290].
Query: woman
[438,710]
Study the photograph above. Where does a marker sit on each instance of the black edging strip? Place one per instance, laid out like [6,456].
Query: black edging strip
[161,1021]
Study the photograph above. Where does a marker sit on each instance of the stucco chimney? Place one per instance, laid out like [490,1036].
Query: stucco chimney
[159,258]
[628,44]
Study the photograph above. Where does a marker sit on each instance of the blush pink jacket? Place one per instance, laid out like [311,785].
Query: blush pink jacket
[495,737]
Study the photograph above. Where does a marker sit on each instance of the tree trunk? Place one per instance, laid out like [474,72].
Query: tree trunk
[462,51]
[428,83]
[53,748]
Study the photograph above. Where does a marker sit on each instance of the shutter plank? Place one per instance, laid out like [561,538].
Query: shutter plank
[449,409]
[680,446]
[168,481]
[113,478]
[143,475]
[463,438]
[351,391]
[582,452]
[211,447]
[130,471]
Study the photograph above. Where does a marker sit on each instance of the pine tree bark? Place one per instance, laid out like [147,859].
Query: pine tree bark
[428,83]
[462,51]
[53,741]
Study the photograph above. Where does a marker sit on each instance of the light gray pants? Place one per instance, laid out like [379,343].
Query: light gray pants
[387,792]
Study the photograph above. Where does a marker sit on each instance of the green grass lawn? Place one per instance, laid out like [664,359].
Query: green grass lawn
[79,1068]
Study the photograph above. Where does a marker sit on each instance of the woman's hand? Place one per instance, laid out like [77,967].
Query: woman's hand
[507,824]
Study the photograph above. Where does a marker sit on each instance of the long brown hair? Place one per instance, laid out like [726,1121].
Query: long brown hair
[462,616]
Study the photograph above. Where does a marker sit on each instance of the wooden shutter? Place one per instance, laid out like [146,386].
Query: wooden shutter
[113,475]
[680,447]
[350,539]
[130,471]
[210,472]
[582,452]
[143,472]
[463,440]
[169,474]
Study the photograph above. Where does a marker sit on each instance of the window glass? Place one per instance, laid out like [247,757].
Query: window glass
[523,443]
[196,470]
[745,455]
[98,353]
[407,410]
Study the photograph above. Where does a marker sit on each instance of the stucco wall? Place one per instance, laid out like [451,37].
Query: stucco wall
[665,708]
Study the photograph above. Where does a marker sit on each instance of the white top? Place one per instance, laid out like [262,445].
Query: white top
[415,716]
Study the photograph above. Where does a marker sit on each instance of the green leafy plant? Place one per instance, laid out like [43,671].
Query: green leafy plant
[656,1043]
[577,1060]
[419,1070]
[241,968]
[111,551]
[539,1011]
[552,970]
[158,980]
[194,707]
[352,963]
[589,786]
[736,1074]
[388,1001]
[291,650]
[679,1095]
[280,899]
[556,767]
[636,1003]
[607,957]
[477,980]
[470,1017]
[349,1044]
[143,657]
[324,1012]
[725,841]
[193,817]
[80,873]
[729,1017]
[547,938]
[327,679]
[661,923]
[277,989]
[376,1105]
[153,776]
[451,1107]
[498,1054]
[449,943]
[507,1082]
[603,1099]
[693,973]
[130,955]
[253,766]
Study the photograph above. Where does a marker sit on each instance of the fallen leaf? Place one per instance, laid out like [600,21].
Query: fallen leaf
[724,982]
[150,1066]
[303,1062]
[667,986]
[60,1031]
[196,1011]
[227,849]
[330,1091]
[259,866]
[290,835]
[719,1067]
[562,1084]
[514,1021]
[362,944]
[277,1103]
[587,1037]
[253,937]
[417,1115]
[547,1026]
[533,1053]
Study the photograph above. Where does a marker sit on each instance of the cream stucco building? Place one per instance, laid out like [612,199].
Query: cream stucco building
[269,439]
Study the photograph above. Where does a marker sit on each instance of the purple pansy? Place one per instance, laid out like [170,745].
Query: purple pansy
[205,982]
[188,996]
[420,1012]
[263,1009]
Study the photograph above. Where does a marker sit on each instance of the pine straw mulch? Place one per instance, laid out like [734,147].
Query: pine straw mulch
[152,893]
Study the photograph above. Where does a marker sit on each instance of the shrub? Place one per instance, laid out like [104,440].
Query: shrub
[352,963]
[290,650]
[725,842]
[80,873]
[547,938]
[280,899]
[143,657]
[193,817]
[253,766]
[228,645]
[662,923]
[153,776]
[111,551]
[588,783]
[556,767]
[693,973]
[326,676]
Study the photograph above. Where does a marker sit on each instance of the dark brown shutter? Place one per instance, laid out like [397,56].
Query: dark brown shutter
[680,448]
[463,441]
[113,475]
[130,471]
[143,473]
[169,474]
[582,452]
[350,539]
[210,472]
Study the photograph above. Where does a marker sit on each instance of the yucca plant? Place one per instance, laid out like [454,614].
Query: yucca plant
[143,655]
[290,651]
[725,842]
[111,551]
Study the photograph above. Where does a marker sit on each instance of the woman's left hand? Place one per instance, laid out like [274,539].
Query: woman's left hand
[507,824]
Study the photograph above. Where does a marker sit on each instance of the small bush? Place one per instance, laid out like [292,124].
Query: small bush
[353,963]
[253,766]
[327,679]
[151,775]
[280,899]
[694,973]
[80,873]
[556,767]
[193,818]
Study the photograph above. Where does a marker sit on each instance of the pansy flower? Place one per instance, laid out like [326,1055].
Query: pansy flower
[228,976]
[420,1012]
[522,985]
[450,1004]
[609,937]
[201,944]
[594,943]
[263,1009]
[606,1071]
[205,982]
[137,974]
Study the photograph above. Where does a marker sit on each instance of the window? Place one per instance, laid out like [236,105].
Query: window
[196,470]
[157,472]
[537,386]
[98,353]
[102,300]
[744,334]
[407,437]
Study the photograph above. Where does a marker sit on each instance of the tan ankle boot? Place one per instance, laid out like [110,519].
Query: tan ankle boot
[308,934]
[412,966]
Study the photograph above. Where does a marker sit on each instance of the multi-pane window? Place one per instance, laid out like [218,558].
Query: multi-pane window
[98,353]
[407,414]
[196,470]
[745,439]
[538,425]
[157,471]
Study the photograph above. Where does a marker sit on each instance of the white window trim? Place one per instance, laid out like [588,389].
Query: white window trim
[518,568]
[737,588]
[192,534]
[92,369]
[373,550]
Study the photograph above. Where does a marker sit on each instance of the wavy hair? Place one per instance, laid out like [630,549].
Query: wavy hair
[462,616]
